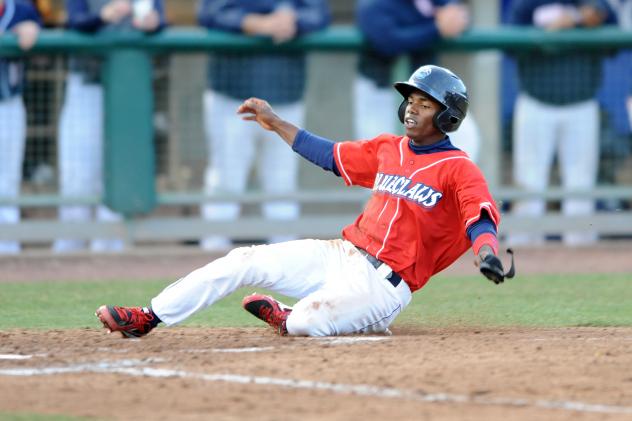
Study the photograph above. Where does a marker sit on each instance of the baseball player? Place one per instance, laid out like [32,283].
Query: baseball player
[233,147]
[430,203]
[20,18]
[556,113]
[394,28]
[81,118]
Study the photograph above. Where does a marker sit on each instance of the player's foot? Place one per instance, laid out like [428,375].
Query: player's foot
[132,322]
[269,310]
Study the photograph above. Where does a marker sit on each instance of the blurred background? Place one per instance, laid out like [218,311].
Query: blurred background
[160,194]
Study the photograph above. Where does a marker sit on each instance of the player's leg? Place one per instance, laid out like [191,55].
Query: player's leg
[231,148]
[356,298]
[579,160]
[12,142]
[374,101]
[535,128]
[278,170]
[294,268]
[103,213]
[79,140]
[107,245]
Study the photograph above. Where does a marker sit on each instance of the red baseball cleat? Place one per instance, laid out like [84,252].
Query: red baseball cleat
[269,310]
[132,322]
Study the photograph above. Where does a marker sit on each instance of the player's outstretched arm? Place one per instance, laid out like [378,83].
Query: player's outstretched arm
[258,110]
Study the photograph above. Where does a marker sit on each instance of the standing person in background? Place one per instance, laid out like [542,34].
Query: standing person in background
[557,111]
[616,100]
[393,28]
[20,18]
[277,78]
[81,121]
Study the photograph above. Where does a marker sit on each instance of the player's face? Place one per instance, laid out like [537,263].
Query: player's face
[418,119]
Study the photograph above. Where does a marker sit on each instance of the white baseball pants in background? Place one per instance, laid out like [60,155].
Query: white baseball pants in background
[340,292]
[233,146]
[12,143]
[540,132]
[81,161]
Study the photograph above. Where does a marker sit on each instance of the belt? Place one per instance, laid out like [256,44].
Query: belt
[383,269]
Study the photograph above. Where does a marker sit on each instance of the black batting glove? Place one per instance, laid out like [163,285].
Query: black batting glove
[492,268]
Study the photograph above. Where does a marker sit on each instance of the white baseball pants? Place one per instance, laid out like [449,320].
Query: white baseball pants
[340,292]
[12,143]
[542,130]
[81,160]
[233,145]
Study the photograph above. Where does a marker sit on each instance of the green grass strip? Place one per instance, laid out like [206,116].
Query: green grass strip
[544,301]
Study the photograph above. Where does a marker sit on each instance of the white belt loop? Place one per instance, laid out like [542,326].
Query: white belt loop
[384,270]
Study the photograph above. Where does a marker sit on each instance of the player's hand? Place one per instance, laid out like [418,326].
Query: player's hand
[115,11]
[147,23]
[27,33]
[452,20]
[492,268]
[590,16]
[280,25]
[283,25]
[255,109]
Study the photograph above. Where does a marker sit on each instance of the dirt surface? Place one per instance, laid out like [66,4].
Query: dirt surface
[235,374]
[193,374]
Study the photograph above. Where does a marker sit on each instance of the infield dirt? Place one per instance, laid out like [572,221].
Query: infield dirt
[436,374]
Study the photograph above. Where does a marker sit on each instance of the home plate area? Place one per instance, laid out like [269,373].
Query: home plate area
[251,373]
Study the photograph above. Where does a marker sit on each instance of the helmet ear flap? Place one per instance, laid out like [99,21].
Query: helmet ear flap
[446,121]
[401,111]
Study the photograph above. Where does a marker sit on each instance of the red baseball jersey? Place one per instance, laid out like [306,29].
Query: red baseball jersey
[421,205]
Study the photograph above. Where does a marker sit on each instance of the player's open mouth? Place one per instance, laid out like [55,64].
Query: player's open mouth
[409,122]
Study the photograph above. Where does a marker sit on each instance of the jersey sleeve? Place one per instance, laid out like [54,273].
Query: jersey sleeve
[473,196]
[357,161]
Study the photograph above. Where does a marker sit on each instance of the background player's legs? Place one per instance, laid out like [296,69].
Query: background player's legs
[12,141]
[231,148]
[105,214]
[354,299]
[374,108]
[535,132]
[579,160]
[294,268]
[80,140]
[278,170]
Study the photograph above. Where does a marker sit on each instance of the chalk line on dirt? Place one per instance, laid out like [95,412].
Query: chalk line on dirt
[138,368]
[15,357]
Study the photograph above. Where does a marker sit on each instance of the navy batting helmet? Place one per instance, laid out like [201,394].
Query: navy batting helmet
[443,86]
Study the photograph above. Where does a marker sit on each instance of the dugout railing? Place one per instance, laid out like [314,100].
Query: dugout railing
[131,180]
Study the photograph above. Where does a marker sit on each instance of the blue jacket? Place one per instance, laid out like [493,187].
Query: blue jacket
[11,70]
[395,27]
[563,77]
[84,16]
[277,78]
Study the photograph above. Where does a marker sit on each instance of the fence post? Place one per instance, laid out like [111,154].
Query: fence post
[129,159]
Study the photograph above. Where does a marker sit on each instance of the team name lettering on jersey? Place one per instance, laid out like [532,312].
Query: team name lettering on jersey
[400,186]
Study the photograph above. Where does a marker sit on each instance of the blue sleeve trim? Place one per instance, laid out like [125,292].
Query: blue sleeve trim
[317,150]
[482,226]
